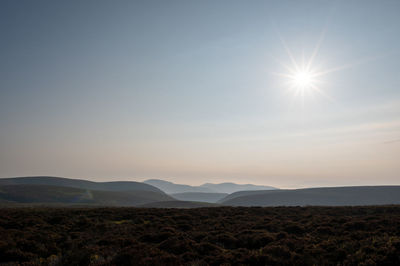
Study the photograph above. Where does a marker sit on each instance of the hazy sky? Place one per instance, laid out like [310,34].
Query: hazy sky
[187,91]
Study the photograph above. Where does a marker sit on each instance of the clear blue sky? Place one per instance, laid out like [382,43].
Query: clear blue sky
[187,91]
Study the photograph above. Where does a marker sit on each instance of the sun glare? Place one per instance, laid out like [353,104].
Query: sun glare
[302,79]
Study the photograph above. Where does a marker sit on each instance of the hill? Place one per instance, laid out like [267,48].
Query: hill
[232,187]
[178,204]
[172,188]
[79,183]
[68,195]
[329,196]
[242,193]
[199,196]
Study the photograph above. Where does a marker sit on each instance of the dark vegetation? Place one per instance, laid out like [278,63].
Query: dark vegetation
[203,236]
[178,204]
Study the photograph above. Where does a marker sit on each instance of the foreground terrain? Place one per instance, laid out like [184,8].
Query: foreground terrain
[214,236]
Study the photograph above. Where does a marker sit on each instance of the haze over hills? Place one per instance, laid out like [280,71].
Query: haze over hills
[172,188]
[232,187]
[328,196]
[56,190]
[47,189]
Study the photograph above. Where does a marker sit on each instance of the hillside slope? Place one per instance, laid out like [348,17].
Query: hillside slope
[199,196]
[69,195]
[79,183]
[244,193]
[330,196]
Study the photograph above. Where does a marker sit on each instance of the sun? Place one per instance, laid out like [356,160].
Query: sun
[303,79]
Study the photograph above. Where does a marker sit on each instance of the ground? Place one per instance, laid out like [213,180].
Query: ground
[203,236]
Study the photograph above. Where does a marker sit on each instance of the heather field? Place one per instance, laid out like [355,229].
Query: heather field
[201,236]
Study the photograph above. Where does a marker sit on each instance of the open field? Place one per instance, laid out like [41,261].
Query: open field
[202,236]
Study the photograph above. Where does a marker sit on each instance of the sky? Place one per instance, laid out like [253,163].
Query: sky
[198,91]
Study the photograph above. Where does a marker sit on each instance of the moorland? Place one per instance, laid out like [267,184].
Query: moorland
[368,235]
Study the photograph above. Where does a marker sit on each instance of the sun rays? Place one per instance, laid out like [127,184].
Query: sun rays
[302,79]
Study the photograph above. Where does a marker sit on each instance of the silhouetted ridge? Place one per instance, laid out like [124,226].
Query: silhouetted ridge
[172,188]
[79,183]
[330,196]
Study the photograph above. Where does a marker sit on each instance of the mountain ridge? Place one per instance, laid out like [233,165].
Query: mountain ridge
[227,187]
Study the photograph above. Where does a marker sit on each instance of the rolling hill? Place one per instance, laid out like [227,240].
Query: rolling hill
[199,196]
[329,196]
[57,190]
[242,193]
[68,195]
[78,183]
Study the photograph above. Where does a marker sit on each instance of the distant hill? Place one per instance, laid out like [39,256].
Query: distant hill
[172,188]
[200,196]
[329,196]
[78,183]
[178,204]
[242,193]
[232,187]
[68,195]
